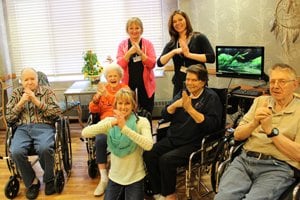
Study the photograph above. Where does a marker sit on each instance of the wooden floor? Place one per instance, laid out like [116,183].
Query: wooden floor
[79,185]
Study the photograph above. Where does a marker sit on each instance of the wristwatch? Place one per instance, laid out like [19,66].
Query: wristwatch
[273,133]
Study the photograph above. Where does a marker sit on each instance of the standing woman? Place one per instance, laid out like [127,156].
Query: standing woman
[137,57]
[186,48]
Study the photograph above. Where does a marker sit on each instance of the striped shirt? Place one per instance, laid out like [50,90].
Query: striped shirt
[46,113]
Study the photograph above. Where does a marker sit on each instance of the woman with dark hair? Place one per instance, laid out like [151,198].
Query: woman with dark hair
[194,113]
[185,47]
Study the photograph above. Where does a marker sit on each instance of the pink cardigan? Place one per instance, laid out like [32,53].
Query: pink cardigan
[149,64]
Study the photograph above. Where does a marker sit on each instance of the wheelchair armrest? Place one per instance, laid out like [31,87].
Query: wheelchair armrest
[213,137]
[161,129]
[67,107]
[296,191]
[93,118]
[208,143]
[163,123]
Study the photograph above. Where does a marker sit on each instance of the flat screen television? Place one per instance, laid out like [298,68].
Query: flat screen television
[240,62]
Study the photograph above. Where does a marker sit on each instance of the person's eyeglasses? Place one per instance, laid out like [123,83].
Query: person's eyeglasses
[280,82]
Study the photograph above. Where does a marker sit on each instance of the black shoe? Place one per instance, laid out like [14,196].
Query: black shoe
[49,188]
[33,191]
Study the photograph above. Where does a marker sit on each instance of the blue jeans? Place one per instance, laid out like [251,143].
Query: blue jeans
[134,191]
[252,179]
[41,137]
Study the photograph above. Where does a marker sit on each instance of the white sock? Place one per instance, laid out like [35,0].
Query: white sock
[103,174]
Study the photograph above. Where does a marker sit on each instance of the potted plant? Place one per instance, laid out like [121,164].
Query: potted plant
[91,68]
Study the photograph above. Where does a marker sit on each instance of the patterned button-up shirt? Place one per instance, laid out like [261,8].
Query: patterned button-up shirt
[46,113]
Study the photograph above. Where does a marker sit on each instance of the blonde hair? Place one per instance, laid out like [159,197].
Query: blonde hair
[127,95]
[134,20]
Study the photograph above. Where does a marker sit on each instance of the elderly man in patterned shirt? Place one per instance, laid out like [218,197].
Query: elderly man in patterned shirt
[33,109]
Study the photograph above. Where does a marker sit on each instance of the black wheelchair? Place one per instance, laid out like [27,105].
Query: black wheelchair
[93,170]
[225,156]
[200,161]
[62,158]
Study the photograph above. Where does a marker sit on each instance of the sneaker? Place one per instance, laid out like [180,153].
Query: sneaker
[100,189]
[158,197]
[33,190]
[49,188]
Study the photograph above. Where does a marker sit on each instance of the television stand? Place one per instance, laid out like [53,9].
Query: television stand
[247,91]
[262,85]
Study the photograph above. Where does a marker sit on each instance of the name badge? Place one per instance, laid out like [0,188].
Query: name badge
[183,69]
[137,58]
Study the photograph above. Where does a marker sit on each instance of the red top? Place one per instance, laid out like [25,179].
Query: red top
[105,105]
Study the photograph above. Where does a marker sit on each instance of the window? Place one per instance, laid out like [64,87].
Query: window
[51,35]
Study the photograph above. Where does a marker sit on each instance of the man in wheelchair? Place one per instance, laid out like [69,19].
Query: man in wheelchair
[193,113]
[33,109]
[270,157]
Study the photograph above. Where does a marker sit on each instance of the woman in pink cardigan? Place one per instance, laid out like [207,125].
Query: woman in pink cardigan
[136,55]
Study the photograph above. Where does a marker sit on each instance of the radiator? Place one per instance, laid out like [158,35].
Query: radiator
[158,106]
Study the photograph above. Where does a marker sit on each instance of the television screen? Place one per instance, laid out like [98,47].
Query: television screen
[240,62]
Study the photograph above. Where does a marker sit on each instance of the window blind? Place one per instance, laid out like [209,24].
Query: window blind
[51,35]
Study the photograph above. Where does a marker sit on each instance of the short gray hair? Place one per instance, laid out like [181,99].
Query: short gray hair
[113,67]
[286,67]
[26,69]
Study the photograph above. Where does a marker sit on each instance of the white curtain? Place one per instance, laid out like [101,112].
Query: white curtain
[51,35]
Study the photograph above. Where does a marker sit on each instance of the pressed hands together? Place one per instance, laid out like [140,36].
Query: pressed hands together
[262,117]
[28,96]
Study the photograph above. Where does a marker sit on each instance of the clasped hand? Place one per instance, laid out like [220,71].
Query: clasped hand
[263,116]
[135,48]
[184,102]
[119,119]
[184,47]
[28,96]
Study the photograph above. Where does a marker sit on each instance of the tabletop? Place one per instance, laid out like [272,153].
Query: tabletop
[81,88]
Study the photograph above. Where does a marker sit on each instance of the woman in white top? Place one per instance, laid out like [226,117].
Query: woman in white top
[128,135]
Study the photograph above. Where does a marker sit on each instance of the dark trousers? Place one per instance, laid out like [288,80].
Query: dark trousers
[101,148]
[143,100]
[162,162]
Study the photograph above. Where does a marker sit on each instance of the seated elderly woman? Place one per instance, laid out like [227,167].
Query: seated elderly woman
[193,113]
[128,135]
[102,103]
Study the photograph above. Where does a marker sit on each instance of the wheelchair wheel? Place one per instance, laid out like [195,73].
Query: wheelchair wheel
[12,187]
[221,156]
[92,168]
[67,149]
[147,186]
[59,181]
